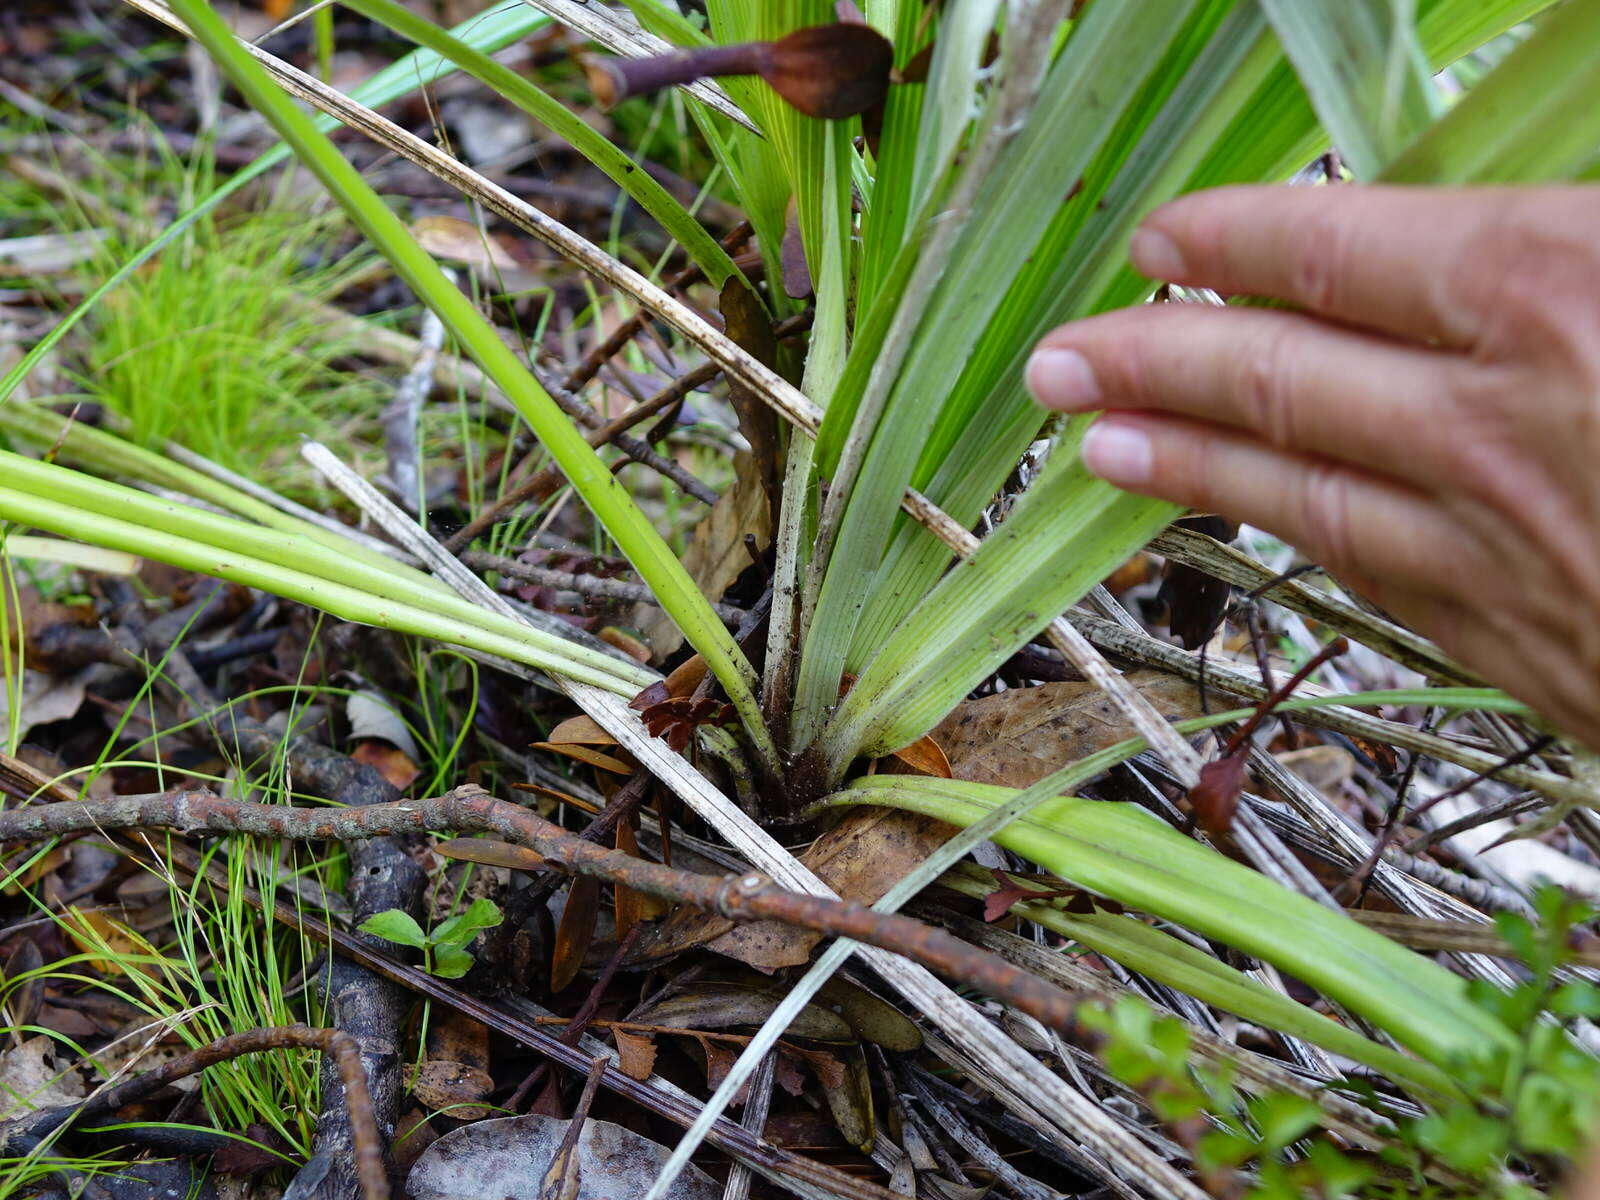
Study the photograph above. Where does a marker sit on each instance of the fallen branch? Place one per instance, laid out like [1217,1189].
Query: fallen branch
[740,898]
[23,1134]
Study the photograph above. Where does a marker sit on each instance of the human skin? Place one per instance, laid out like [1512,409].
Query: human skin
[1423,418]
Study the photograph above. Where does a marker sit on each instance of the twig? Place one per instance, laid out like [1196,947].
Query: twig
[746,898]
[22,1134]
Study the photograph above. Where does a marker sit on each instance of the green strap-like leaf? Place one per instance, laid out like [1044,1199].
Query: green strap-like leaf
[1364,69]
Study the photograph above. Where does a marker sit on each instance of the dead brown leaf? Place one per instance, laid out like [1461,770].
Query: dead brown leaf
[636,1054]
[576,930]
[1017,737]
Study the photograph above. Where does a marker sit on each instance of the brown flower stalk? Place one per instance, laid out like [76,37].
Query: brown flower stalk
[826,71]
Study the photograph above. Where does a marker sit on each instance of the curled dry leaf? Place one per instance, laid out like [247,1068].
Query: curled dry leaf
[674,720]
[507,1159]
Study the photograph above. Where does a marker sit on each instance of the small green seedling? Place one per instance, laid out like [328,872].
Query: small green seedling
[444,948]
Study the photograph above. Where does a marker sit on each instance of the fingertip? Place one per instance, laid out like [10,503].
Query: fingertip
[1061,378]
[1120,452]
[1155,254]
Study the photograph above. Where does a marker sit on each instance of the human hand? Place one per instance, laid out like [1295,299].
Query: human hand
[1426,425]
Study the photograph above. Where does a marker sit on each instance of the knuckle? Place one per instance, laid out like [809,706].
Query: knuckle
[1318,261]
[1325,516]
[1266,386]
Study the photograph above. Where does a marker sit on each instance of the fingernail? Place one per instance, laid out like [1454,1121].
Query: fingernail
[1118,453]
[1155,255]
[1063,379]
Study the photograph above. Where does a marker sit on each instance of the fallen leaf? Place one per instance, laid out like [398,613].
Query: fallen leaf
[925,757]
[452,1088]
[859,858]
[587,754]
[389,761]
[30,1078]
[636,1054]
[1017,737]
[1215,798]
[372,715]
[506,1159]
[717,554]
[491,853]
[576,931]
[581,730]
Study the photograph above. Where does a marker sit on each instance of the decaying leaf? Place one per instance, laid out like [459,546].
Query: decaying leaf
[675,719]
[576,930]
[718,1005]
[859,858]
[453,1088]
[1215,798]
[507,1158]
[636,1054]
[1017,737]
[587,754]
[30,1078]
[1196,602]
[926,757]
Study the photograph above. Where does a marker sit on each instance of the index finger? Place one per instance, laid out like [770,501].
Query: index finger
[1386,258]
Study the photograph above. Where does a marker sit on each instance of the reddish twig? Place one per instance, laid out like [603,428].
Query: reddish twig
[744,898]
[335,1043]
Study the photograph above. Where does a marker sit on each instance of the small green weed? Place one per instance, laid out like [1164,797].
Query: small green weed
[444,947]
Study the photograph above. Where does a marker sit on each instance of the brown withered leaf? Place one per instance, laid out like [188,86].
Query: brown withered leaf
[457,1037]
[674,720]
[1017,737]
[626,642]
[576,930]
[680,681]
[587,754]
[491,853]
[712,1005]
[581,730]
[452,1088]
[850,1101]
[859,858]
[632,906]
[1215,798]
[925,757]
[746,321]
[636,1054]
[1013,889]
[389,761]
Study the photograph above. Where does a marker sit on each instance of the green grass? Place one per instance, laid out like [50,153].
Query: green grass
[217,346]
[216,343]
